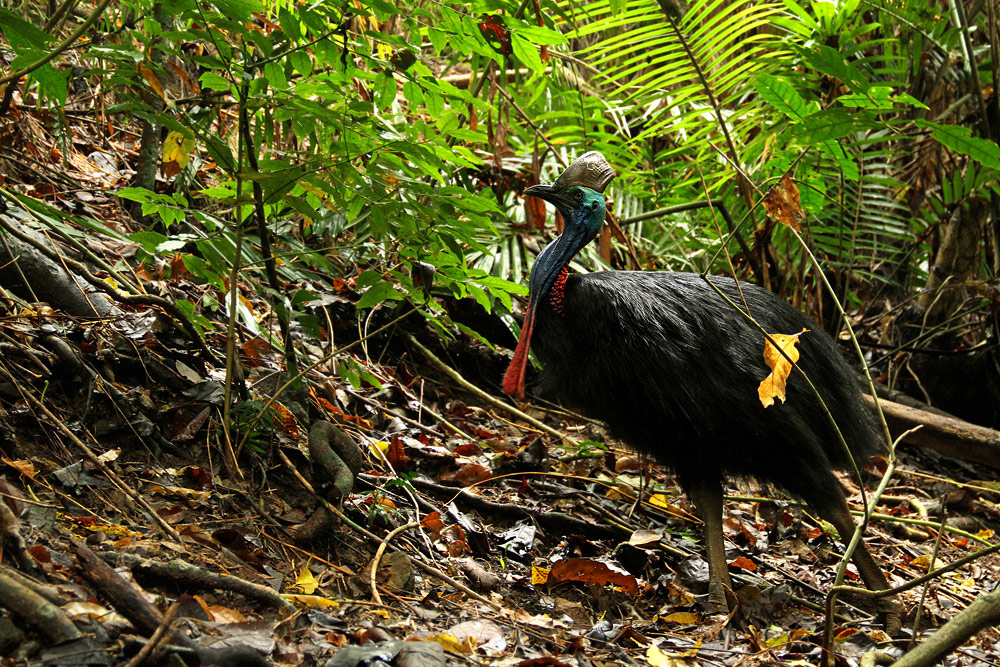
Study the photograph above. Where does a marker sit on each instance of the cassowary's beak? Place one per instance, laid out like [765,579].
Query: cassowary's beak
[550,193]
[547,266]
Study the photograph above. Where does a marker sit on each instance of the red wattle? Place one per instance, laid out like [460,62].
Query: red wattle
[513,379]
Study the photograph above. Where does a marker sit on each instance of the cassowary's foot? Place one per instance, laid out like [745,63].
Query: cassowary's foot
[717,601]
[721,598]
[889,613]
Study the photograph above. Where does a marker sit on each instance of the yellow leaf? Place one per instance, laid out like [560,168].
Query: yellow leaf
[660,500]
[305,583]
[314,601]
[773,386]
[154,83]
[177,148]
[539,575]
[658,658]
[450,643]
[681,618]
[926,562]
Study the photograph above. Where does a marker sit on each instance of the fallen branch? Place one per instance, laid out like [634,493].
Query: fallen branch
[948,435]
[37,613]
[982,613]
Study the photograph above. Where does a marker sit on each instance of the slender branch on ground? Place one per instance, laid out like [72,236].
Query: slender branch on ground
[489,398]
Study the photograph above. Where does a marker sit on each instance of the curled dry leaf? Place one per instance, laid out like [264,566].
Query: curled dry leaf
[586,570]
[773,386]
[783,204]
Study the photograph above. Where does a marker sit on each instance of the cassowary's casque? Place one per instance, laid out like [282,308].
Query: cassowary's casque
[673,369]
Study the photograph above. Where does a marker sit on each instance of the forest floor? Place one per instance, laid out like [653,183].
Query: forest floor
[127,510]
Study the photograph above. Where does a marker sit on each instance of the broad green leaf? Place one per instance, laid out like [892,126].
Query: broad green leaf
[213,81]
[301,62]
[149,240]
[826,125]
[378,293]
[542,35]
[831,62]
[289,24]
[21,34]
[274,72]
[960,140]
[527,52]
[52,82]
[780,95]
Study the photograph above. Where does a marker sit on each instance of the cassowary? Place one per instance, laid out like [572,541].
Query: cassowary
[673,369]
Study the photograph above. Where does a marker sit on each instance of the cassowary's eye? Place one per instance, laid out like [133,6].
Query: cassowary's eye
[578,195]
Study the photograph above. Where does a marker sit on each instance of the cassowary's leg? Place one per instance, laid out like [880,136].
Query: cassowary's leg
[833,508]
[707,497]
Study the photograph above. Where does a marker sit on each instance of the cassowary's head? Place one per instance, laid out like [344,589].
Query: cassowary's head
[579,195]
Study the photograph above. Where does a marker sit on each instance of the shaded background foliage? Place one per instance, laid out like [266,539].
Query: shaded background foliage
[385,144]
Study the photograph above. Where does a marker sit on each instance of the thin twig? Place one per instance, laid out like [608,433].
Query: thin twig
[158,637]
[378,556]
[489,398]
[427,569]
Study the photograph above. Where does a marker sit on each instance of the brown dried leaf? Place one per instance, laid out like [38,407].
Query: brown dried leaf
[586,570]
[467,475]
[25,467]
[782,203]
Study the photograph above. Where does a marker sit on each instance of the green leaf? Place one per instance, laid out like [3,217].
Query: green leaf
[781,95]
[831,62]
[274,72]
[439,39]
[847,166]
[52,82]
[301,62]
[826,125]
[960,140]
[368,278]
[527,52]
[136,194]
[387,91]
[413,93]
[542,35]
[878,98]
[220,152]
[214,81]
[149,240]
[20,33]
[289,24]
[906,98]
[171,7]
[378,293]
[240,11]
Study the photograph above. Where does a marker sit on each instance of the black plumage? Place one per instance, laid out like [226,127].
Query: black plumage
[673,369]
[670,366]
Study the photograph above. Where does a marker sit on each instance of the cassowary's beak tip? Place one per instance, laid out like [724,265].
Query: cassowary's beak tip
[553,194]
[539,190]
